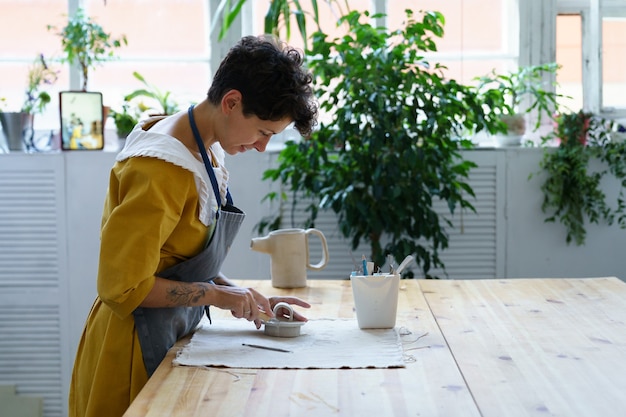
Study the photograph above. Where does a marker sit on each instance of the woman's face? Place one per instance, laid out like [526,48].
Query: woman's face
[242,133]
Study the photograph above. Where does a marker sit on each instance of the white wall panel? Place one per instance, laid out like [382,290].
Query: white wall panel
[472,251]
[34,303]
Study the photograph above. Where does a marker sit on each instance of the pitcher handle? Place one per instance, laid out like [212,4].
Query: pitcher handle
[322,264]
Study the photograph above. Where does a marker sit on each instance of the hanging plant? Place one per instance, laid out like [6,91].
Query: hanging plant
[572,191]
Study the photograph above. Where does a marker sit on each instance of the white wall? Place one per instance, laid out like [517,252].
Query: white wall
[533,248]
[247,189]
[538,249]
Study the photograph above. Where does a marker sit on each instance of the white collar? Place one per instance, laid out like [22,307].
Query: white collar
[167,148]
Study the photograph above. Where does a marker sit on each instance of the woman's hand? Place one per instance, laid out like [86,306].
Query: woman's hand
[293,301]
[243,303]
[248,303]
[251,310]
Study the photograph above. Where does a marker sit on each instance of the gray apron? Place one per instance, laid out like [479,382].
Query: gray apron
[159,328]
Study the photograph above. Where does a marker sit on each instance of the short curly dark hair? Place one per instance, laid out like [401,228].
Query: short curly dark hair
[272,81]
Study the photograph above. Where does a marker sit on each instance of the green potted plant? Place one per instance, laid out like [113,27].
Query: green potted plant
[393,141]
[86,43]
[572,191]
[18,125]
[516,94]
[165,104]
[124,119]
[575,126]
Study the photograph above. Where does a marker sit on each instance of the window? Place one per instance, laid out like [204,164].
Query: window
[591,47]
[480,35]
[23,36]
[569,56]
[168,44]
[613,63]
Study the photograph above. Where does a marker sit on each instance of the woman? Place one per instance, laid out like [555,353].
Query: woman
[169,220]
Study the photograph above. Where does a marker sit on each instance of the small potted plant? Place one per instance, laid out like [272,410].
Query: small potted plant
[86,43]
[517,94]
[165,104]
[125,120]
[573,126]
[18,125]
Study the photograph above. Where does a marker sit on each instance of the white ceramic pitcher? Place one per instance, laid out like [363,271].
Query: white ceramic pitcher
[289,255]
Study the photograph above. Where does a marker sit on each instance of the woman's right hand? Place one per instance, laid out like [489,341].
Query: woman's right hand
[243,302]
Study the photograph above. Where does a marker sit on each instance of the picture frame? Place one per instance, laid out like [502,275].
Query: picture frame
[82,120]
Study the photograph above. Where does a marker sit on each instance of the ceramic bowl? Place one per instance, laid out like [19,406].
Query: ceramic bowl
[283,326]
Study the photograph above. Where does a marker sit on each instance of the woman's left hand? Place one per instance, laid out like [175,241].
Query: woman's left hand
[293,301]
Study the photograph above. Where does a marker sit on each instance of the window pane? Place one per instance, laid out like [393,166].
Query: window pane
[24,27]
[187,82]
[478,34]
[474,25]
[569,56]
[464,71]
[476,38]
[613,62]
[21,43]
[168,29]
[168,44]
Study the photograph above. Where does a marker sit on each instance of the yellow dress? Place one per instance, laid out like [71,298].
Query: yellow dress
[150,222]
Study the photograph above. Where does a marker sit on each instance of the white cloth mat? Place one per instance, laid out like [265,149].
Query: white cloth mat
[325,343]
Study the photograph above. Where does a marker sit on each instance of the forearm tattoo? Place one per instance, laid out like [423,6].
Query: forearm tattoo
[185,294]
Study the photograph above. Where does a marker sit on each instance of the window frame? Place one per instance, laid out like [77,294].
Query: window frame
[592,12]
[536,42]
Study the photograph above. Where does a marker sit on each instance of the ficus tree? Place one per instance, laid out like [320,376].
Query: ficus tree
[393,139]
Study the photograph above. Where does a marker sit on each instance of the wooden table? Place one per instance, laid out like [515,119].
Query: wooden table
[514,347]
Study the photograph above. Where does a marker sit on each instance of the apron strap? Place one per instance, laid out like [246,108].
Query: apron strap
[207,162]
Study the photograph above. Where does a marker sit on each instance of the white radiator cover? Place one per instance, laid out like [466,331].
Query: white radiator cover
[34,342]
[473,244]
